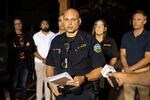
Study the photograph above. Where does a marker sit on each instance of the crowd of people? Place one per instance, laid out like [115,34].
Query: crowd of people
[82,55]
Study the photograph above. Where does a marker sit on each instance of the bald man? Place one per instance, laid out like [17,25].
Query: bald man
[77,53]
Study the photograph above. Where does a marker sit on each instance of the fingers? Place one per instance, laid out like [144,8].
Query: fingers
[73,83]
[110,82]
[54,89]
[110,74]
[77,81]
[115,76]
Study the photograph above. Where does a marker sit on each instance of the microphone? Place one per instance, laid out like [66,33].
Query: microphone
[109,69]
[66,46]
[114,82]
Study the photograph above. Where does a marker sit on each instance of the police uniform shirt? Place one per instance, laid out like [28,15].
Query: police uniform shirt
[84,54]
[109,49]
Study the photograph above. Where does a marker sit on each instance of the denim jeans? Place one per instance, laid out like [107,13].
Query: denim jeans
[19,75]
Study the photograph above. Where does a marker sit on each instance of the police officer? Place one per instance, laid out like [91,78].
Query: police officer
[110,52]
[77,53]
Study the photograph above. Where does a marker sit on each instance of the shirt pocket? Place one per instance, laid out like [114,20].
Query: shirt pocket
[56,55]
[81,51]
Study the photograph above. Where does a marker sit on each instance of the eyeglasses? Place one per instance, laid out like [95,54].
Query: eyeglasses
[17,23]
[98,25]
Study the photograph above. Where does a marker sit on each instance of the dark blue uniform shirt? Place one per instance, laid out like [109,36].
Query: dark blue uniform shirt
[135,46]
[84,54]
[109,49]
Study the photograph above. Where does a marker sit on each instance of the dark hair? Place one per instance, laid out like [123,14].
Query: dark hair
[12,22]
[61,14]
[105,25]
[44,19]
[137,12]
[140,12]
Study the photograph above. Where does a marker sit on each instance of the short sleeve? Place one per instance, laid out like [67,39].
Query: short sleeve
[148,42]
[49,58]
[115,52]
[123,42]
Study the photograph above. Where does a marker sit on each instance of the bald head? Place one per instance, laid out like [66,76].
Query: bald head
[72,11]
[71,21]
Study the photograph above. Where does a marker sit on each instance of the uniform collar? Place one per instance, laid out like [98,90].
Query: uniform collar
[77,37]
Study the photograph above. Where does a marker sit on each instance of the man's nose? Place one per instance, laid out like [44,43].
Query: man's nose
[69,22]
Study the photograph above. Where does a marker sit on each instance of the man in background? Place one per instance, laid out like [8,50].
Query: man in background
[135,54]
[42,41]
[61,28]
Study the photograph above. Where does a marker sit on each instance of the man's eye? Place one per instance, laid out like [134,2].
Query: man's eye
[74,19]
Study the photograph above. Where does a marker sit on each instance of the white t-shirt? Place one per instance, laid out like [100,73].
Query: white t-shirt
[43,43]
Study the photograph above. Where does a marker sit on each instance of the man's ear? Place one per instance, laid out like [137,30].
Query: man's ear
[145,21]
[80,21]
[105,29]
[130,22]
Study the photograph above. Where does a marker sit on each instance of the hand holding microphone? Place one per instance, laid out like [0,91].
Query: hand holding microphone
[110,69]
[113,82]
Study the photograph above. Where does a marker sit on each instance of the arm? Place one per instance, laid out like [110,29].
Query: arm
[114,53]
[139,78]
[49,73]
[36,54]
[123,58]
[91,76]
[134,78]
[94,74]
[113,61]
[142,63]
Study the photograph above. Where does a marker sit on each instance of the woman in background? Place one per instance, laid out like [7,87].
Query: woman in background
[110,52]
[20,58]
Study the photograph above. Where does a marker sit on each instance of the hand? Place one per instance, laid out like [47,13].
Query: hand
[28,44]
[128,70]
[44,61]
[77,81]
[118,76]
[54,89]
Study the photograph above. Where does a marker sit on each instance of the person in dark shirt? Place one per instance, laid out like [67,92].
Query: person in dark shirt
[77,53]
[110,52]
[135,54]
[20,58]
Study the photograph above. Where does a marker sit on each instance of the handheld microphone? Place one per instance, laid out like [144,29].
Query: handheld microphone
[114,82]
[66,46]
[109,69]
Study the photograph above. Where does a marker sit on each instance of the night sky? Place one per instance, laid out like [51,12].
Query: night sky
[116,13]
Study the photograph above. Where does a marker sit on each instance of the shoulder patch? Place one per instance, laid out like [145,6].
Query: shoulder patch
[97,48]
